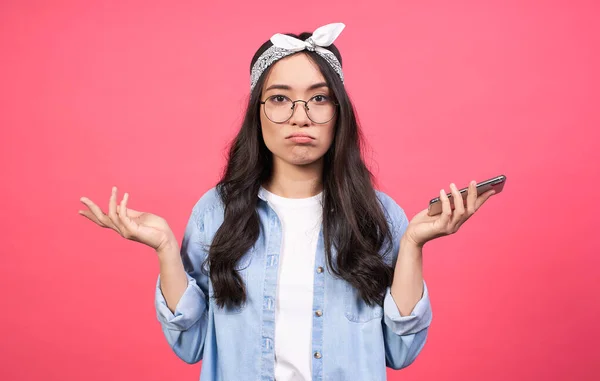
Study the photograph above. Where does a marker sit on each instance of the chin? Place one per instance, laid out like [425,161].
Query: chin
[302,160]
[304,163]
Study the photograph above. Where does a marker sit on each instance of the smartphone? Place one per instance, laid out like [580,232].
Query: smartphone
[496,183]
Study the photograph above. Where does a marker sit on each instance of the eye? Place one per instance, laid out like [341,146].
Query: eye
[320,99]
[278,99]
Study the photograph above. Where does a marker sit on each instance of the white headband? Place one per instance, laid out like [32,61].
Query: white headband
[284,45]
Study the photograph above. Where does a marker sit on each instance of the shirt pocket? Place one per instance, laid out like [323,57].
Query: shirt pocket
[357,310]
[242,267]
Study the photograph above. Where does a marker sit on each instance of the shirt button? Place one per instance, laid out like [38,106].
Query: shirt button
[317,355]
[319,269]
[319,313]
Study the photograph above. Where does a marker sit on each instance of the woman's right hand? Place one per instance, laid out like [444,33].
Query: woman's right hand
[143,227]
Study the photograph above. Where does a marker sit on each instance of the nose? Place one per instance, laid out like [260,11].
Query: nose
[299,116]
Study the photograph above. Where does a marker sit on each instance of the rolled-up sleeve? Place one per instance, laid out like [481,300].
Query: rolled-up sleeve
[419,319]
[188,311]
[185,328]
[404,336]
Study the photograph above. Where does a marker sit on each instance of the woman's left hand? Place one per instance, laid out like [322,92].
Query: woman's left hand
[423,227]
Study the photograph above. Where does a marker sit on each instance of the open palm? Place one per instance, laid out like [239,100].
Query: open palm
[134,225]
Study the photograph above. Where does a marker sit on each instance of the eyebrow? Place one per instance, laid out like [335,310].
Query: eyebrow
[286,87]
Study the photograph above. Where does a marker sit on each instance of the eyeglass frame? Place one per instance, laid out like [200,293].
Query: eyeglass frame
[306,109]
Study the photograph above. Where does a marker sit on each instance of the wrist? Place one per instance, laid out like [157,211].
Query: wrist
[408,238]
[168,251]
[409,247]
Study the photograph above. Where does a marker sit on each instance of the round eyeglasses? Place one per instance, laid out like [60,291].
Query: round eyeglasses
[320,109]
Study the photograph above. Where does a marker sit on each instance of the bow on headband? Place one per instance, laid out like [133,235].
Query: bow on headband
[284,45]
[323,36]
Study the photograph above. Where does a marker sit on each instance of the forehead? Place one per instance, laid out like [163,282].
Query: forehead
[297,71]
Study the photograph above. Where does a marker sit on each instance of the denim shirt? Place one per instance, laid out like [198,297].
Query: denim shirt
[350,339]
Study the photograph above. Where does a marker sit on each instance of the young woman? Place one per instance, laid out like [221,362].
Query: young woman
[293,267]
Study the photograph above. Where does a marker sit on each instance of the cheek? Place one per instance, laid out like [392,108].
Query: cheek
[329,133]
[269,133]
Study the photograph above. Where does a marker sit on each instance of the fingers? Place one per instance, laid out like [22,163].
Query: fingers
[451,218]
[128,225]
[459,205]
[119,217]
[112,210]
[95,214]
[130,212]
[446,209]
[90,216]
[472,198]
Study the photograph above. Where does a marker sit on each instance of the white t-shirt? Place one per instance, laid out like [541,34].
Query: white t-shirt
[301,221]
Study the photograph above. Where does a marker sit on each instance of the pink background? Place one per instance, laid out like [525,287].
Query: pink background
[145,95]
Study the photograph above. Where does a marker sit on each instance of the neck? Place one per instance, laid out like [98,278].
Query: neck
[295,181]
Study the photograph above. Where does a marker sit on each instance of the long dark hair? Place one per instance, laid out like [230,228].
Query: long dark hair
[353,219]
